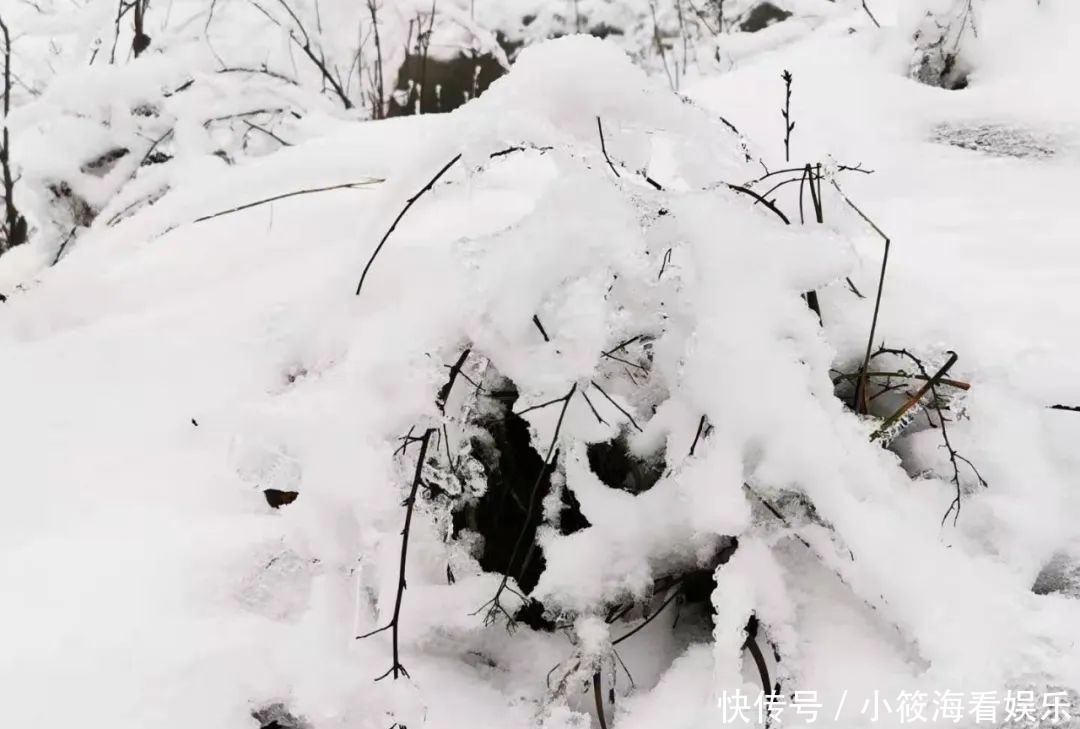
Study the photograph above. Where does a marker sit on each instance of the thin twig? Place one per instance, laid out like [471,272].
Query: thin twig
[867,9]
[603,147]
[624,345]
[63,246]
[396,668]
[617,406]
[649,619]
[541,405]
[958,384]
[767,203]
[591,407]
[455,370]
[919,394]
[544,334]
[789,126]
[245,206]
[860,388]
[700,430]
[267,132]
[408,204]
[852,288]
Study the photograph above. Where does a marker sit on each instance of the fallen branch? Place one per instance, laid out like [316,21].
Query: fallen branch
[958,384]
[617,406]
[954,457]
[916,397]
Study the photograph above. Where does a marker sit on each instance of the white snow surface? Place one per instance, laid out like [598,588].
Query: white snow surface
[145,582]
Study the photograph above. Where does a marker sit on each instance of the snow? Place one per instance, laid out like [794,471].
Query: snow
[166,371]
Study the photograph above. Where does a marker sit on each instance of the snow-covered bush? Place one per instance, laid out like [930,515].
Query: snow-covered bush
[639,409]
[938,58]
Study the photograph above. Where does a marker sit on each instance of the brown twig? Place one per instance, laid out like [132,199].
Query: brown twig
[916,397]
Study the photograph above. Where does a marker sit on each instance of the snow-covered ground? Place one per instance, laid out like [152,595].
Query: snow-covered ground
[165,372]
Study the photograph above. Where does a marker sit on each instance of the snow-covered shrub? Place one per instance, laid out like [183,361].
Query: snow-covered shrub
[631,405]
[938,58]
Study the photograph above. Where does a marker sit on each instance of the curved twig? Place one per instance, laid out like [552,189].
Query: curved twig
[767,203]
[408,204]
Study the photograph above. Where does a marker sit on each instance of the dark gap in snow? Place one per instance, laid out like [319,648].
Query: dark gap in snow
[100,165]
[571,519]
[603,30]
[620,469]
[762,16]
[501,513]
[277,498]
[80,212]
[697,585]
[431,85]
[502,446]
[277,716]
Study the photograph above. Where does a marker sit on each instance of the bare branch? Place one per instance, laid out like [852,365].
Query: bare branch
[396,668]
[309,191]
[408,204]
